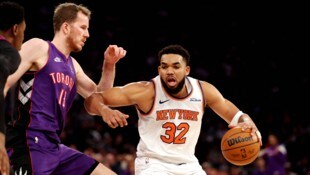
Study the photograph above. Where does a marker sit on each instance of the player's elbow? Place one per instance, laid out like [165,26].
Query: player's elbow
[89,104]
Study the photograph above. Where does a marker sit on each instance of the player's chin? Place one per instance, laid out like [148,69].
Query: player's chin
[78,48]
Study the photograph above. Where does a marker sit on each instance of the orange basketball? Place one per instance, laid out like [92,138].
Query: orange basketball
[239,147]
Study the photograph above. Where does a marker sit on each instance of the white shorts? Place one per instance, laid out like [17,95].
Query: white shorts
[151,166]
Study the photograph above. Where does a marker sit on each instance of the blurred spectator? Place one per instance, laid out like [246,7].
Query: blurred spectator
[260,167]
[127,164]
[236,170]
[223,170]
[288,170]
[275,156]
[209,168]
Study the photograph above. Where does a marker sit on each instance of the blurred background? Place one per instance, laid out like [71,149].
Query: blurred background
[254,53]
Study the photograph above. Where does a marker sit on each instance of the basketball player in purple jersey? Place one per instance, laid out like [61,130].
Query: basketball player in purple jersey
[12,28]
[49,80]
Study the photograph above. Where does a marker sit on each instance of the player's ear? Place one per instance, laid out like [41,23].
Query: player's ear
[14,29]
[65,27]
[187,70]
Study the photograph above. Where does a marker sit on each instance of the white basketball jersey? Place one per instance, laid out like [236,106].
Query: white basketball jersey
[170,131]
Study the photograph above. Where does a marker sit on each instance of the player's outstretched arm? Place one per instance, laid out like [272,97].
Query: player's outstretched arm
[139,94]
[94,106]
[112,55]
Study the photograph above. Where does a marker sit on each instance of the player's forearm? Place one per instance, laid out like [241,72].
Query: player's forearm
[93,104]
[107,77]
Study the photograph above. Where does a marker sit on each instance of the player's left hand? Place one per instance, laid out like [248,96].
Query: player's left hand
[113,54]
[249,124]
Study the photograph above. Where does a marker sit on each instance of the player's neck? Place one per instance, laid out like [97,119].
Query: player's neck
[61,46]
[183,93]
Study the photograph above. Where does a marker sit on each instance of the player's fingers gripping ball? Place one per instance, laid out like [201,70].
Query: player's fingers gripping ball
[240,147]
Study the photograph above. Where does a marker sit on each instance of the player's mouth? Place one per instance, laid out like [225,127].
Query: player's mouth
[171,81]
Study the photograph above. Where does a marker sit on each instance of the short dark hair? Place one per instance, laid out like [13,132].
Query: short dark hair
[175,49]
[11,13]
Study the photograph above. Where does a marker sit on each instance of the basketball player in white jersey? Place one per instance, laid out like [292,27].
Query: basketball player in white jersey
[170,109]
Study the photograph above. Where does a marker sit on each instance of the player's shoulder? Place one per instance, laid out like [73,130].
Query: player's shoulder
[34,49]
[36,43]
[205,83]
[144,87]
[207,87]
[141,84]
[35,46]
